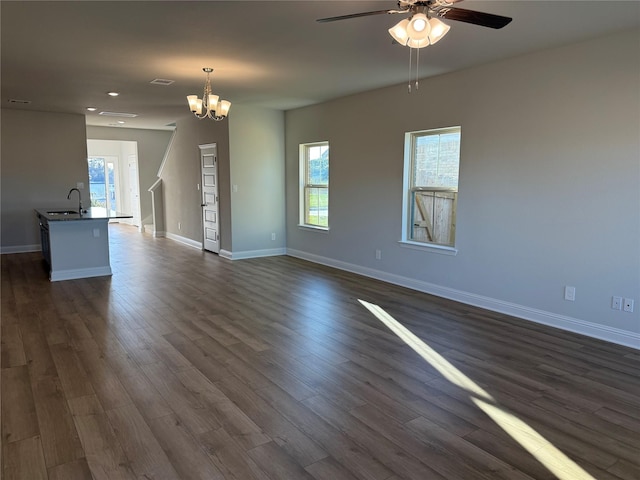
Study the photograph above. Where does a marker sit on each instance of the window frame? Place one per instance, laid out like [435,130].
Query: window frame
[409,190]
[304,185]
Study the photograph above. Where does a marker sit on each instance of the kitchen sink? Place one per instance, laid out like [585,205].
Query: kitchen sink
[62,212]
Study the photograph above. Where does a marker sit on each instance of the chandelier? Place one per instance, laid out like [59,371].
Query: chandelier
[210,106]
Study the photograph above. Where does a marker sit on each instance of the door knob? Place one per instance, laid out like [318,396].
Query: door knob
[203,204]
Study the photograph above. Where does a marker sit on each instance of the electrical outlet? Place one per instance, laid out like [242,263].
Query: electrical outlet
[570,293]
[628,305]
[378,254]
[179,226]
[273,236]
[616,303]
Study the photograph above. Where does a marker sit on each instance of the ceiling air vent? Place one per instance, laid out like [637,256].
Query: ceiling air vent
[161,81]
[19,102]
[118,114]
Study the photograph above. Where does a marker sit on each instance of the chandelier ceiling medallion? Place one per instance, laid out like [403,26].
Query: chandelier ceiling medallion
[210,105]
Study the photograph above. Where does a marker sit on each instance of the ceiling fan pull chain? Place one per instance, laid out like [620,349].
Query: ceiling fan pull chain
[409,85]
[417,67]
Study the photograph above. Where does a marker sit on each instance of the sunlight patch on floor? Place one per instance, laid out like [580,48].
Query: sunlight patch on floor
[540,448]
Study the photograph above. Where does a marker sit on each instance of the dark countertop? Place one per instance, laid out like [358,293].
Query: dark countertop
[66,214]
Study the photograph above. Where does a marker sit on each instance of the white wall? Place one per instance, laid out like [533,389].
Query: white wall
[256,147]
[549,184]
[44,155]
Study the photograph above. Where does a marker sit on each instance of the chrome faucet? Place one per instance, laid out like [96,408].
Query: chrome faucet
[79,199]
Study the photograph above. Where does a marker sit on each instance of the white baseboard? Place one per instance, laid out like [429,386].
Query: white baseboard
[601,332]
[79,273]
[183,240]
[270,252]
[20,249]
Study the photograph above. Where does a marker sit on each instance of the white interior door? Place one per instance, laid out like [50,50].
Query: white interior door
[210,210]
[134,190]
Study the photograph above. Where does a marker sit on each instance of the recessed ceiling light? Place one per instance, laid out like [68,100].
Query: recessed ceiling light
[92,109]
[113,94]
[120,122]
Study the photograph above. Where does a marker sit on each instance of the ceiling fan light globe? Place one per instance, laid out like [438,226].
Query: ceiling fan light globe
[413,43]
[418,27]
[438,30]
[399,32]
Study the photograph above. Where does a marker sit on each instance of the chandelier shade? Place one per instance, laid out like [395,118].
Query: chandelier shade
[210,105]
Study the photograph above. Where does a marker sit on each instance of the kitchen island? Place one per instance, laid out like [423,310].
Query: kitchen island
[76,245]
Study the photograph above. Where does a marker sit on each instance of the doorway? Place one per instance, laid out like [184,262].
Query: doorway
[103,185]
[114,182]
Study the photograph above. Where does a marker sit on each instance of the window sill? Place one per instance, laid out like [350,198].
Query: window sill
[313,228]
[426,247]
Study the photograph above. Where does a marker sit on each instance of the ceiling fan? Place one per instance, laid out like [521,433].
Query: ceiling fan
[423,27]
[434,8]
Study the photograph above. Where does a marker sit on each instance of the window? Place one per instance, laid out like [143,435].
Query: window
[432,160]
[314,185]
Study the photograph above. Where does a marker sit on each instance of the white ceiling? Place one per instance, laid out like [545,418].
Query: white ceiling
[65,56]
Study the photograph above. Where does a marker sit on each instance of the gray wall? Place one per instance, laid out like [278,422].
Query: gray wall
[152,145]
[43,156]
[181,177]
[256,138]
[251,156]
[549,184]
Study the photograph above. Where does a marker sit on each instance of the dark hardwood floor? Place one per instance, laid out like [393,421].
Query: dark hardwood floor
[184,365]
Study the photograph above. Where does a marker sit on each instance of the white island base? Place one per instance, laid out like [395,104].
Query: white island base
[74,245]
[79,249]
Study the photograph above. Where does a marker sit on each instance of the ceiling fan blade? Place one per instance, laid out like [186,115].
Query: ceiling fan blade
[355,15]
[477,18]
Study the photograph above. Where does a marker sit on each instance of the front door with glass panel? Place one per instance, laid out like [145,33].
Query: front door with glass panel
[210,211]
[103,175]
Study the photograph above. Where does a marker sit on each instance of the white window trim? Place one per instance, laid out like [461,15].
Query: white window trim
[313,228]
[429,247]
[302,155]
[406,187]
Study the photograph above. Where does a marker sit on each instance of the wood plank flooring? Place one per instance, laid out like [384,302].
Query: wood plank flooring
[184,365]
